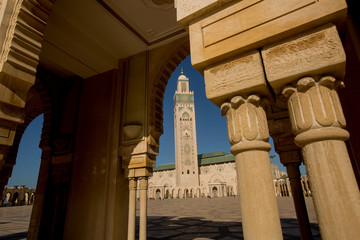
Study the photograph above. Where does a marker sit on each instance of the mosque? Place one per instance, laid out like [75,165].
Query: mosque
[195,175]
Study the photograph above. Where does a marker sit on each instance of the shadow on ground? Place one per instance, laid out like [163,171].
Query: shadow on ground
[165,227]
[197,228]
[15,236]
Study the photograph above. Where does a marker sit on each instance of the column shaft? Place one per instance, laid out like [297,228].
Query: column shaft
[132,208]
[334,189]
[259,209]
[143,207]
[299,201]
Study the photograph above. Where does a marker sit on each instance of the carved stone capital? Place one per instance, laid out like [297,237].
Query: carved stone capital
[247,124]
[132,183]
[315,110]
[143,183]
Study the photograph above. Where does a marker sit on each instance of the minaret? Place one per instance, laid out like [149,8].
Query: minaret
[186,162]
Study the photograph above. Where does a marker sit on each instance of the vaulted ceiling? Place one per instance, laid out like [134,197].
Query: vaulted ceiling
[87,37]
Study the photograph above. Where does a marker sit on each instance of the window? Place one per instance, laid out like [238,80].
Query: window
[188,172]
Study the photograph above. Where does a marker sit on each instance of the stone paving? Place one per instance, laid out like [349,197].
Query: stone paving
[196,219]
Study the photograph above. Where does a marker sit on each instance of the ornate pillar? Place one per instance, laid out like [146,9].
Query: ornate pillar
[318,122]
[132,208]
[143,207]
[248,135]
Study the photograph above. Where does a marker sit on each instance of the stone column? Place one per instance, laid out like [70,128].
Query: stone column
[291,160]
[248,135]
[318,122]
[132,208]
[143,207]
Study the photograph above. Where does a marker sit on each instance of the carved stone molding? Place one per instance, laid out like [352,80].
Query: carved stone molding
[22,25]
[315,110]
[316,52]
[247,124]
[159,86]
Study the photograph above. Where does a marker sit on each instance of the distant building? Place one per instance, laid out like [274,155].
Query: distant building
[216,176]
[192,175]
[15,196]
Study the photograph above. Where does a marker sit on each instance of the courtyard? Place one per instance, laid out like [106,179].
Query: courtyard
[198,218]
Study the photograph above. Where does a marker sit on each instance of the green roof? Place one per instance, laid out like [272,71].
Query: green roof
[204,159]
[283,176]
[169,166]
[215,158]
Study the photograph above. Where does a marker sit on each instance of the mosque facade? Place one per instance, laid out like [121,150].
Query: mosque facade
[194,175]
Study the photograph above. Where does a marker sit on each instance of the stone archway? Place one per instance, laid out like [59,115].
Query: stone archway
[180,51]
[19,59]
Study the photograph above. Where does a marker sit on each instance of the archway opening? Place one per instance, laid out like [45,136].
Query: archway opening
[26,170]
[21,187]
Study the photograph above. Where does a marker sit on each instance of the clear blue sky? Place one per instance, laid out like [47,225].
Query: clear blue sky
[210,126]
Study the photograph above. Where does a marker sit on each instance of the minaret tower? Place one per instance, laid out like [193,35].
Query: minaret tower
[186,162]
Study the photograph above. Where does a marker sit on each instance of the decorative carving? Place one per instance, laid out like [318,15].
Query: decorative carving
[315,105]
[247,124]
[239,75]
[143,183]
[22,25]
[318,51]
[132,183]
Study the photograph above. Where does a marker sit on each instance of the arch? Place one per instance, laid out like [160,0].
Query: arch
[217,178]
[15,199]
[167,193]
[179,193]
[180,51]
[166,182]
[20,73]
[32,198]
[214,191]
[157,193]
[186,193]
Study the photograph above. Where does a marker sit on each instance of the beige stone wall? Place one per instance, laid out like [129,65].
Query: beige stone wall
[216,175]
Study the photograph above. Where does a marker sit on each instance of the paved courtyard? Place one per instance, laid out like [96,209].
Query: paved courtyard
[217,218]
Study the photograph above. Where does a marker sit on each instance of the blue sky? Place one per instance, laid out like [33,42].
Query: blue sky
[211,131]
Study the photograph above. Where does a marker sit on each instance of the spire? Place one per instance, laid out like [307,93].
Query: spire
[182,71]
